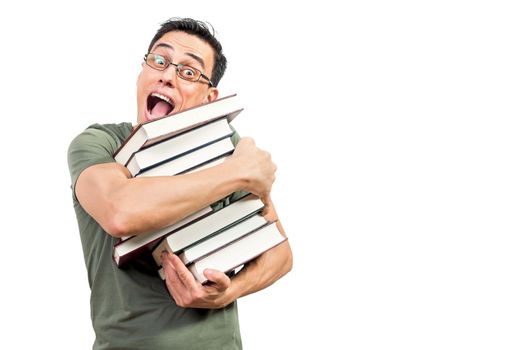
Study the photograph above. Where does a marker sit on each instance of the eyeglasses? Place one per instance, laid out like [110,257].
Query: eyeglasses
[183,71]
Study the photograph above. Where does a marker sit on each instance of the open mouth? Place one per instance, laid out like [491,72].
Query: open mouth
[159,105]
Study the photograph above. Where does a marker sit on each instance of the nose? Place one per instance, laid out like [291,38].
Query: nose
[168,76]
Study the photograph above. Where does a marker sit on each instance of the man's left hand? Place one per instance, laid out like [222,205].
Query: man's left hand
[188,292]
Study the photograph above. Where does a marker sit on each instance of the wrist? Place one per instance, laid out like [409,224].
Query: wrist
[235,170]
[235,290]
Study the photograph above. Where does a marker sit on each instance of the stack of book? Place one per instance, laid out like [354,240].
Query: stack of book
[187,141]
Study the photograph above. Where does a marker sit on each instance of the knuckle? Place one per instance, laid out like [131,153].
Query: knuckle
[197,296]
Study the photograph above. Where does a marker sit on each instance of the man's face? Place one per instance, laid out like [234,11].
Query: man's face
[154,87]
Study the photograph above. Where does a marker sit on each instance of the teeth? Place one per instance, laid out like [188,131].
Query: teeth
[162,97]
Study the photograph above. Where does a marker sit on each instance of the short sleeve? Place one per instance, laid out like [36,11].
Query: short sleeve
[235,137]
[93,146]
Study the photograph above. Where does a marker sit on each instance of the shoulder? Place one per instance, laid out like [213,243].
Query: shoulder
[95,145]
[235,137]
[107,136]
[119,132]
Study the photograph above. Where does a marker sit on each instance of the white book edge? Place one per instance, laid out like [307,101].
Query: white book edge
[208,246]
[207,226]
[179,145]
[239,252]
[191,160]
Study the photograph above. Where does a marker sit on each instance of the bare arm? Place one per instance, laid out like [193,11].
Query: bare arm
[123,205]
[257,275]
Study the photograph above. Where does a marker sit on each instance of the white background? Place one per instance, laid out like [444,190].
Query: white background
[397,129]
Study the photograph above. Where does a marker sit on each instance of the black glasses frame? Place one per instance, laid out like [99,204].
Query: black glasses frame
[178,67]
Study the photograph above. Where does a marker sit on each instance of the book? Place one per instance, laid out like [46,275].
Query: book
[209,225]
[154,131]
[208,246]
[179,145]
[192,160]
[131,246]
[209,164]
[237,253]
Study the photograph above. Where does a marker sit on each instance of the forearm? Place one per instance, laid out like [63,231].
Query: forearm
[136,205]
[152,203]
[262,272]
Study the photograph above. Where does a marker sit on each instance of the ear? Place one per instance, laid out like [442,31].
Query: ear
[212,94]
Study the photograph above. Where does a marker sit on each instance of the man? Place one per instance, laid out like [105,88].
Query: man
[132,308]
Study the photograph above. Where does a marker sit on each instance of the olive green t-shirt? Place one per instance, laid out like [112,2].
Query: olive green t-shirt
[130,307]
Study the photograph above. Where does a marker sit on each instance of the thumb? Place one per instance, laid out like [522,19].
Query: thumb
[220,279]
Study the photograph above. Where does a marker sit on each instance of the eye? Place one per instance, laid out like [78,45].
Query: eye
[188,72]
[159,60]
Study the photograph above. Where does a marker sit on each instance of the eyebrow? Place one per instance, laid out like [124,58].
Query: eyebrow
[192,55]
[197,58]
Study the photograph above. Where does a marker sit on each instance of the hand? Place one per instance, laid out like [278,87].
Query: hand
[256,165]
[269,212]
[188,292]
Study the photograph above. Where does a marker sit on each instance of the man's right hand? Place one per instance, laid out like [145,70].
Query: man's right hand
[256,167]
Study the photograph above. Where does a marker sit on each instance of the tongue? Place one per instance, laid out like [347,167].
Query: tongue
[161,109]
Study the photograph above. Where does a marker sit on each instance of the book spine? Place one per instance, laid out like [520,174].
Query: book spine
[126,258]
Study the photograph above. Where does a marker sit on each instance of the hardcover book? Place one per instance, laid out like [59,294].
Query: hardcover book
[179,145]
[239,252]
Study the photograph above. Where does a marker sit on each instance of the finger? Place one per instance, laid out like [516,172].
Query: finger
[266,199]
[166,263]
[185,276]
[173,283]
[171,272]
[220,279]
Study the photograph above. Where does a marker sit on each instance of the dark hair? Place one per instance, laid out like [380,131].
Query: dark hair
[204,31]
